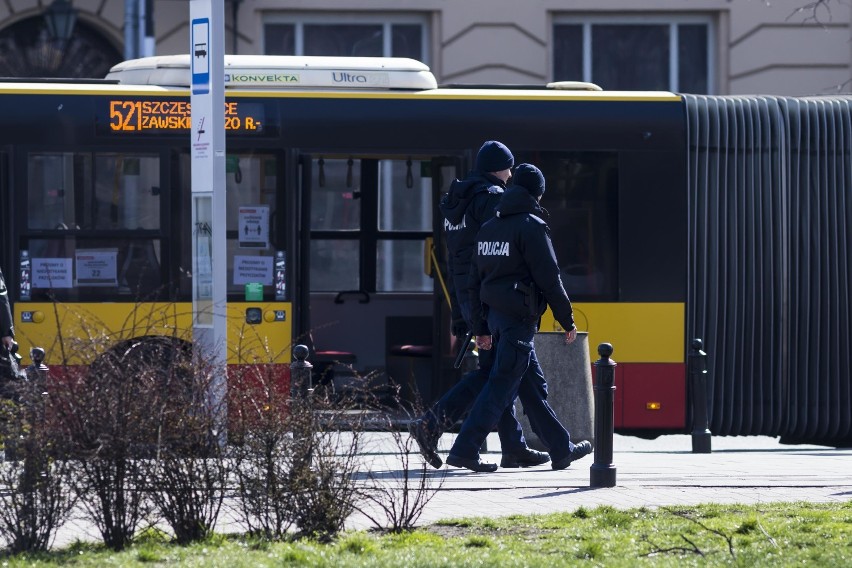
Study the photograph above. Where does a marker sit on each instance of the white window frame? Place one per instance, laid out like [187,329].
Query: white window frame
[385,20]
[673,21]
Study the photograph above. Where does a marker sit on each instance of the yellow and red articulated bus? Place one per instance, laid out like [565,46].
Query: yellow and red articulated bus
[673,216]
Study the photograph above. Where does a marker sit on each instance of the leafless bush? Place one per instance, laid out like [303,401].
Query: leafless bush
[327,441]
[190,472]
[394,499]
[138,422]
[295,456]
[262,450]
[35,499]
[110,418]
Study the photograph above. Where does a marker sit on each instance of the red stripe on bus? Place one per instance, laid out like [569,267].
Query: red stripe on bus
[650,396]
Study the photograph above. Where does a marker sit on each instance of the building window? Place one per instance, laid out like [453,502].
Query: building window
[26,50]
[674,54]
[353,35]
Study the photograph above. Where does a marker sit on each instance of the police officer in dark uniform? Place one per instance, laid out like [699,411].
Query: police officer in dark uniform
[469,203]
[514,276]
[7,330]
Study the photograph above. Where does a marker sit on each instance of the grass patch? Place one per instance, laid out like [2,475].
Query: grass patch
[477,541]
[769,535]
[358,543]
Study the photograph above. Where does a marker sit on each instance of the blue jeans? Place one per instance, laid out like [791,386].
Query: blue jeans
[457,401]
[515,373]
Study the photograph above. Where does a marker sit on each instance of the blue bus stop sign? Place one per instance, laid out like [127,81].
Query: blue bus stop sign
[200,56]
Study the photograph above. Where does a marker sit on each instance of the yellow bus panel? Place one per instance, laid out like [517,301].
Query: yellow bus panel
[72,333]
[638,332]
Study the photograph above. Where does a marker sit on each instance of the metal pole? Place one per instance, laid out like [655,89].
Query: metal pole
[235,8]
[131,28]
[209,239]
[603,470]
[147,41]
[700,427]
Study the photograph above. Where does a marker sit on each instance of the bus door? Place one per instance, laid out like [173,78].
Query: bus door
[368,305]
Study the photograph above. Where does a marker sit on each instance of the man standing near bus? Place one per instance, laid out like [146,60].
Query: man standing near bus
[7,330]
[469,203]
[514,277]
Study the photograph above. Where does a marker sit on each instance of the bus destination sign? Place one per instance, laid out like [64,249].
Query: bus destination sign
[164,116]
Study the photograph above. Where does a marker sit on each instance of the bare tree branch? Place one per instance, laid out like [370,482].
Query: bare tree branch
[728,539]
[766,534]
[817,12]
[676,549]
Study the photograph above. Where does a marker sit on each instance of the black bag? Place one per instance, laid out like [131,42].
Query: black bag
[10,370]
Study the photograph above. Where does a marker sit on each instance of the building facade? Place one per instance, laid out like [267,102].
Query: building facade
[788,47]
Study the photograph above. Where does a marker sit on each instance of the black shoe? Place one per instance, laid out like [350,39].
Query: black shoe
[527,457]
[476,465]
[581,449]
[427,443]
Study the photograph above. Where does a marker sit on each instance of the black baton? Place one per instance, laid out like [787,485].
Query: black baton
[463,351]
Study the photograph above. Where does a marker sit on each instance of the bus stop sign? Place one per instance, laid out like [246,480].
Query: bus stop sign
[200,45]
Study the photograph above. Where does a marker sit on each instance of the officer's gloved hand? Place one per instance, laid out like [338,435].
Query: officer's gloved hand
[460,328]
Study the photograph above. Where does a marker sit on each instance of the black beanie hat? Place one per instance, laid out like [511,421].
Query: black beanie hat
[494,157]
[530,178]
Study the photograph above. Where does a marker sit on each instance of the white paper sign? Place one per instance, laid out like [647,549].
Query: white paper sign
[254,226]
[253,269]
[97,268]
[52,272]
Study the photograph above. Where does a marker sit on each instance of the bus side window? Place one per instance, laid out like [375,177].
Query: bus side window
[126,193]
[139,269]
[53,182]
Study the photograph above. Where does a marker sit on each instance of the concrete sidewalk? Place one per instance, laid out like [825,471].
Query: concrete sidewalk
[649,473]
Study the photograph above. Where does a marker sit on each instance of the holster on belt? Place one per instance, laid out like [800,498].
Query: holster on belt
[531,300]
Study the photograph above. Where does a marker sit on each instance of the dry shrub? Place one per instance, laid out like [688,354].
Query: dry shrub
[261,446]
[190,472]
[35,499]
[111,419]
[295,455]
[394,499]
[327,442]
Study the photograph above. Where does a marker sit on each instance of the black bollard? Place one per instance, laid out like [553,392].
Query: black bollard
[700,426]
[603,470]
[37,371]
[300,373]
[302,417]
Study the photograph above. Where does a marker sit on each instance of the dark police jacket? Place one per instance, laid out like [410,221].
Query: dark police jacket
[469,203]
[6,328]
[515,269]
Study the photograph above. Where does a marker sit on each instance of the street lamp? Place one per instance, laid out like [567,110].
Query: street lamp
[60,18]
